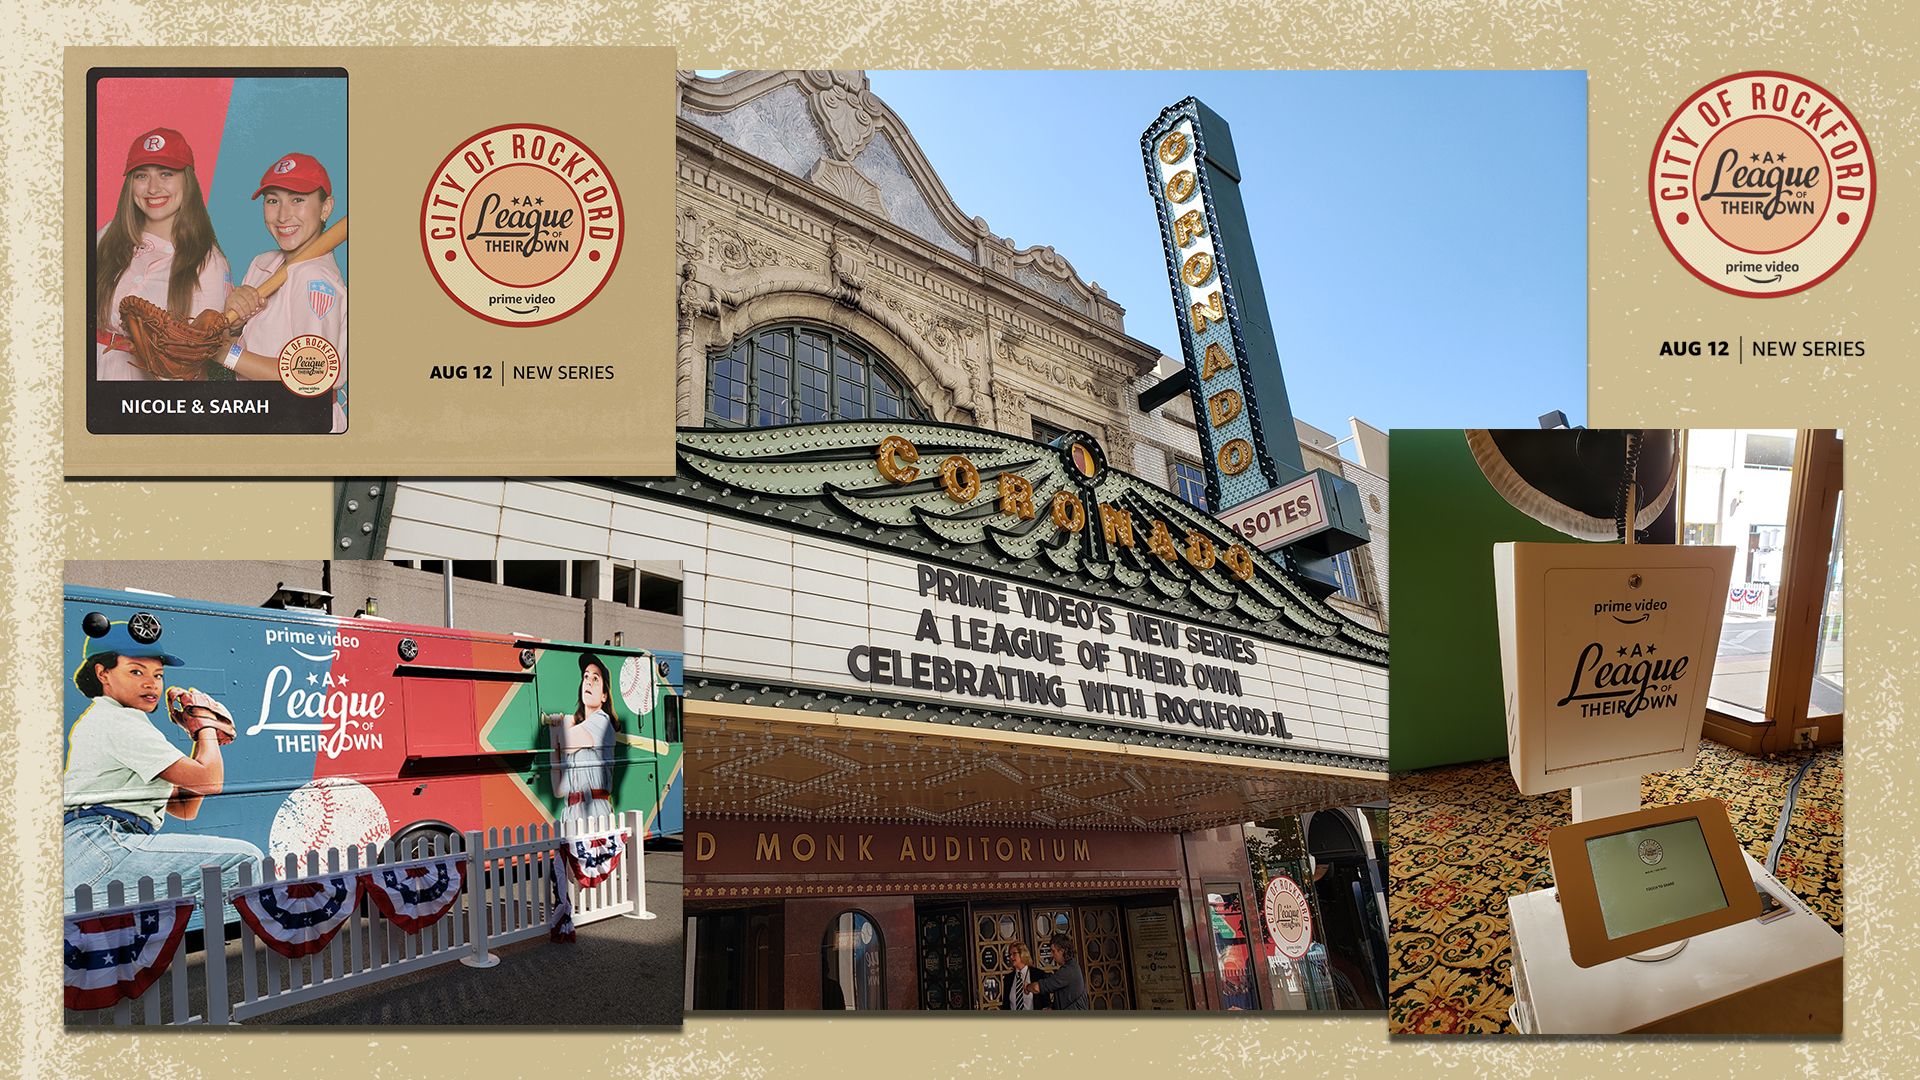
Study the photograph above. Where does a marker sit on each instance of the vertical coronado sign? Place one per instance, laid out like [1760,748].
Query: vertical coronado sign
[1254,468]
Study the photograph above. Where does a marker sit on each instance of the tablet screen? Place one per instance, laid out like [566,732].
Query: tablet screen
[1654,876]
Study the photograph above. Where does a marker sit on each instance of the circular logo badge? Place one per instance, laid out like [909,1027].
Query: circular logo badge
[1289,919]
[154,142]
[522,225]
[1650,852]
[309,365]
[1762,184]
[284,165]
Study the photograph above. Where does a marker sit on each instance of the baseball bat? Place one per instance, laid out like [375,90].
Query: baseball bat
[316,247]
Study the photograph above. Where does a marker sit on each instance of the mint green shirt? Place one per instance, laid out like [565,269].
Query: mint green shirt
[115,756]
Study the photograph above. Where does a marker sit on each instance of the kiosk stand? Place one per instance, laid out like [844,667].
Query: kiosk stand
[1753,978]
[1607,652]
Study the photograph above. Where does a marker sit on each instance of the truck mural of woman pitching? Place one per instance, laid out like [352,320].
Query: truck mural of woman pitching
[125,777]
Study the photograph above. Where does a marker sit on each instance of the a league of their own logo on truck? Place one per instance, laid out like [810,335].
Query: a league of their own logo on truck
[1762,184]
[522,225]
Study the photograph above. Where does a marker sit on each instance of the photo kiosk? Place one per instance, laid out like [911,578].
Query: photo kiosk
[1607,653]
[1633,883]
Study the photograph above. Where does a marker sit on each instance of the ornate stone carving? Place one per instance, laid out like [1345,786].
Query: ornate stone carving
[844,108]
[732,251]
[842,179]
[947,337]
[848,261]
[999,256]
[1057,372]
[696,296]
[687,236]
[1010,408]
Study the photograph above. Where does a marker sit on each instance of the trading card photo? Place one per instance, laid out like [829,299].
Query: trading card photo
[216,251]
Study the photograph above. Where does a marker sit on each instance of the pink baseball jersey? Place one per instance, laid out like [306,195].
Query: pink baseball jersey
[312,301]
[147,277]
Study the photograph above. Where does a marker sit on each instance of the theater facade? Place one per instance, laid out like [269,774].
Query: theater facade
[969,662]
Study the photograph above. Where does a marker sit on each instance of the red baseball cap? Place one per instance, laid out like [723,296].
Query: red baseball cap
[161,146]
[296,172]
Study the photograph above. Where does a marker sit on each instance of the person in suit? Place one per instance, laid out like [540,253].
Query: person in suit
[1067,984]
[1015,996]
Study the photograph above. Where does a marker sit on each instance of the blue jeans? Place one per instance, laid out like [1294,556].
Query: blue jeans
[101,849]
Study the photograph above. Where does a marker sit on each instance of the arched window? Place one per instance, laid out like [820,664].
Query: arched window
[800,375]
[853,963]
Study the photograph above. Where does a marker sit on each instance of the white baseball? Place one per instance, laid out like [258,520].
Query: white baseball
[331,812]
[636,684]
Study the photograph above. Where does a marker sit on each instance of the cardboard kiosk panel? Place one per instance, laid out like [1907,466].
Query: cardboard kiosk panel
[1638,881]
[1606,652]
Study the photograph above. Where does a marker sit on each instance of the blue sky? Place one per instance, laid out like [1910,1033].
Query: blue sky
[1421,235]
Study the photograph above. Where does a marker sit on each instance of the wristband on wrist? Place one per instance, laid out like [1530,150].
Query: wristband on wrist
[232,359]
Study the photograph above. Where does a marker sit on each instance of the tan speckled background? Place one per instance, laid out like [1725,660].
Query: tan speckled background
[1643,59]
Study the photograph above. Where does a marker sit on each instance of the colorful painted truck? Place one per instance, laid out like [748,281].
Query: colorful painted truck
[348,731]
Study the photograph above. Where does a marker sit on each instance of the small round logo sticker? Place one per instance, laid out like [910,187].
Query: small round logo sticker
[1762,184]
[309,365]
[1650,852]
[522,225]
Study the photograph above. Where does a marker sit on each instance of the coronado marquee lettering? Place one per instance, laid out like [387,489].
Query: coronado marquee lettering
[896,460]
[1032,657]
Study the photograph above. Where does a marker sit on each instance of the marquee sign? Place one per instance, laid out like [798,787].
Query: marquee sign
[1050,514]
[1191,633]
[1282,515]
[791,848]
[1210,308]
[1233,363]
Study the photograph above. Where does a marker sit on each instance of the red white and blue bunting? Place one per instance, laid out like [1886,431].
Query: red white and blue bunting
[119,952]
[593,859]
[414,896]
[299,918]
[560,925]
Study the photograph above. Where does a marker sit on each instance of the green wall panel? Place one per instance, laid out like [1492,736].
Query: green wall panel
[1445,696]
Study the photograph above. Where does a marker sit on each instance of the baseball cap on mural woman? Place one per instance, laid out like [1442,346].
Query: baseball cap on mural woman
[164,147]
[296,172]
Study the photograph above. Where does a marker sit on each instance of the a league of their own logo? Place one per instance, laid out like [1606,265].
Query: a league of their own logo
[522,225]
[154,142]
[1762,184]
[284,165]
[309,365]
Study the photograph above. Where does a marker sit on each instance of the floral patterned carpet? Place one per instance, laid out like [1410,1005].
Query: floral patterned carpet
[1462,839]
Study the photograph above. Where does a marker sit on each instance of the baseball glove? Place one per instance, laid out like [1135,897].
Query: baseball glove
[173,348]
[194,710]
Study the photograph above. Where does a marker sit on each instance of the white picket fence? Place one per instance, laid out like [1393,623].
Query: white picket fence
[507,899]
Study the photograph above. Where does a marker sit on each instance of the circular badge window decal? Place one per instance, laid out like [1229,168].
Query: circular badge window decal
[522,225]
[1762,184]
